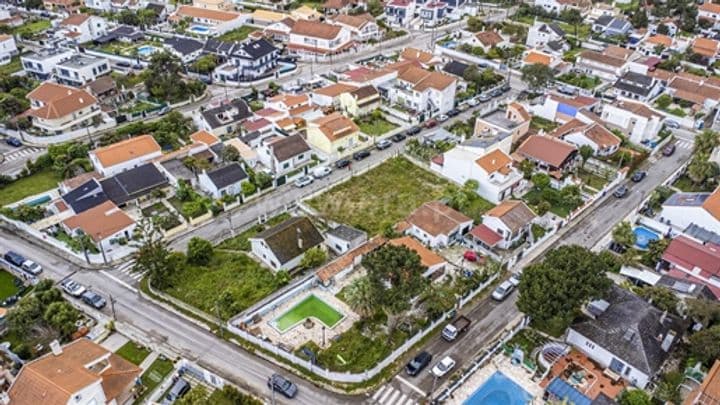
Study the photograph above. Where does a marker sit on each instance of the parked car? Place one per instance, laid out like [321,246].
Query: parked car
[453,113]
[503,291]
[398,138]
[94,300]
[473,102]
[177,391]
[360,155]
[470,256]
[321,171]
[668,150]
[304,181]
[484,97]
[31,267]
[443,367]
[342,163]
[431,123]
[15,259]
[280,384]
[73,288]
[416,365]
[638,176]
[496,93]
[514,279]
[505,88]
[413,131]
[620,192]
[383,144]
[672,124]
[12,141]
[442,118]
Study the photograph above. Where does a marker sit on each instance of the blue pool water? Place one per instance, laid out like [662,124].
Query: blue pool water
[146,50]
[499,390]
[199,29]
[643,237]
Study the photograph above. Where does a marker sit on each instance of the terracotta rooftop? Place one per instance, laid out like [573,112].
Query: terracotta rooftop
[637,108]
[486,235]
[315,29]
[705,46]
[708,393]
[713,8]
[436,218]
[712,204]
[100,221]
[197,12]
[428,258]
[355,21]
[513,213]
[416,54]
[75,19]
[494,161]
[204,137]
[489,38]
[290,100]
[334,90]
[328,271]
[602,58]
[593,383]
[546,149]
[690,255]
[660,39]
[423,79]
[128,149]
[336,126]
[58,100]
[535,57]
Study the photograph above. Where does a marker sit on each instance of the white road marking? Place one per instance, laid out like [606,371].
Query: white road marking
[391,400]
[378,392]
[386,395]
[402,399]
[122,283]
[409,384]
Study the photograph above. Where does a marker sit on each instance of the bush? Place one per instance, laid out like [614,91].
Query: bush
[199,251]
[248,189]
[193,209]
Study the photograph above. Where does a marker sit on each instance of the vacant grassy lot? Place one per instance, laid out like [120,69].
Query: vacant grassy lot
[133,352]
[380,197]
[311,306]
[41,181]
[686,185]
[14,66]
[7,285]
[374,126]
[476,208]
[238,34]
[242,277]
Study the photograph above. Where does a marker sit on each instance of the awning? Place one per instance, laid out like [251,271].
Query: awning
[645,276]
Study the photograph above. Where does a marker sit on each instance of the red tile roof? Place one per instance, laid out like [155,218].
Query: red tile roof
[688,254]
[486,235]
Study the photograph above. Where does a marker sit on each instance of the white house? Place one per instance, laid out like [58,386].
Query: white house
[601,64]
[248,60]
[400,12]
[563,109]
[487,40]
[636,120]
[600,139]
[185,49]
[284,154]
[510,221]
[637,86]
[626,335]
[283,246]
[684,209]
[343,239]
[330,95]
[124,155]
[80,70]
[214,22]
[541,34]
[426,92]
[8,49]
[226,118]
[309,39]
[41,64]
[556,6]
[100,5]
[105,224]
[696,262]
[437,225]
[222,181]
[55,108]
[82,28]
[709,11]
[362,27]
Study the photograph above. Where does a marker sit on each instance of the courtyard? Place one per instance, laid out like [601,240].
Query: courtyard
[381,197]
[311,307]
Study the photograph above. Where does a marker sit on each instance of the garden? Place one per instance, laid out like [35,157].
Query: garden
[161,216]
[374,124]
[43,180]
[32,28]
[188,202]
[582,81]
[666,103]
[241,242]
[133,353]
[543,197]
[237,35]
[9,285]
[381,197]
[152,377]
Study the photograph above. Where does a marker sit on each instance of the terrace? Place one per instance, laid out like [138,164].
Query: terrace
[584,375]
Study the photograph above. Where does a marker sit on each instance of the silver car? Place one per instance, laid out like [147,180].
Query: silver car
[303,181]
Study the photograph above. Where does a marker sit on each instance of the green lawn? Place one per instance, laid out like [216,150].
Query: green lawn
[31,28]
[153,376]
[310,307]
[582,81]
[133,353]
[241,242]
[7,285]
[43,180]
[242,277]
[583,30]
[539,123]
[138,106]
[374,126]
[476,208]
[592,180]
[561,210]
[238,34]
[381,197]
[14,66]
[686,185]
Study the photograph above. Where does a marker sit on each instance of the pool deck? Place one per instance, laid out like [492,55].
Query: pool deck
[518,374]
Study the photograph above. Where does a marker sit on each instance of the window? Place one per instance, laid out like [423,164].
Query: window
[617,365]
[590,345]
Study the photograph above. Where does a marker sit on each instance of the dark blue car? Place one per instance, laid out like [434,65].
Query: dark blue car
[12,141]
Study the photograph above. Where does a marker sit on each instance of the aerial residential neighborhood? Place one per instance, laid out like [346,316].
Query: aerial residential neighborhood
[388,202]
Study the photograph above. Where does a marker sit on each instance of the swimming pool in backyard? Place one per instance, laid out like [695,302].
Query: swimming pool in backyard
[310,307]
[499,390]
[643,237]
[146,50]
[199,29]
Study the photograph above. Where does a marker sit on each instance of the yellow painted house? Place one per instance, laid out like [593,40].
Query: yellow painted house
[361,101]
[333,134]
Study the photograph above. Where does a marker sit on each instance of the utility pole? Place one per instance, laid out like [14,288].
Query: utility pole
[102,249]
[112,307]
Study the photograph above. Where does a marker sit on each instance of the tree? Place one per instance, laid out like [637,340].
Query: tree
[152,255]
[654,251]
[395,275]
[706,142]
[661,297]
[663,29]
[664,101]
[199,251]
[540,180]
[230,154]
[668,389]
[313,257]
[375,7]
[537,76]
[527,168]
[437,299]
[164,81]
[24,315]
[701,169]
[475,24]
[196,396]
[704,311]
[248,188]
[623,234]
[586,152]
[205,64]
[639,19]
[62,317]
[634,397]
[34,4]
[83,242]
[705,345]
[235,397]
[553,291]
[359,296]
[146,17]
[263,180]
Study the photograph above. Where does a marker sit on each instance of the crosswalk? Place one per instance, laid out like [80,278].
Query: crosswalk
[389,395]
[20,153]
[127,274]
[684,144]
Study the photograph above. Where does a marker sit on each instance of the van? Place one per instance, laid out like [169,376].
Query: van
[14,258]
[180,388]
[321,171]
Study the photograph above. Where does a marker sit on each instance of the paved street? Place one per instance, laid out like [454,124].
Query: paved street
[12,160]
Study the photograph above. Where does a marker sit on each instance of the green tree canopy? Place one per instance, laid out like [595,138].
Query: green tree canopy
[359,296]
[313,257]
[705,345]
[661,297]
[62,317]
[395,275]
[199,251]
[537,75]
[634,397]
[623,234]
[152,254]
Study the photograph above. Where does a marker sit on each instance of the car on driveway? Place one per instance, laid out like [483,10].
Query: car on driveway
[503,291]
[12,141]
[416,365]
[93,299]
[304,181]
[638,176]
[443,367]
[383,144]
[514,279]
[73,288]
[360,155]
[620,192]
[280,384]
[398,137]
[342,163]
[668,150]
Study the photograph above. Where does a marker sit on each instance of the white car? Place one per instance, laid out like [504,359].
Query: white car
[72,288]
[321,171]
[303,181]
[514,279]
[443,367]
[503,290]
[473,102]
[32,267]
[442,118]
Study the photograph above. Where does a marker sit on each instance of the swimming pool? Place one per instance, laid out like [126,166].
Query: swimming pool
[499,390]
[643,237]
[146,50]
[200,29]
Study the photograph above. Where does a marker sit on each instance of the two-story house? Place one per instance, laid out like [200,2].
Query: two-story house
[252,59]
[399,12]
[360,101]
[600,139]
[309,39]
[549,154]
[362,27]
[8,49]
[612,26]
[80,70]
[541,35]
[41,65]
[636,120]
[226,118]
[637,86]
[55,108]
[82,28]
[425,92]
[124,155]
[602,64]
[333,135]
[711,12]
[283,154]
[503,226]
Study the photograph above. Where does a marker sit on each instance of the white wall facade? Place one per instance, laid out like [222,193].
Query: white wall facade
[682,217]
[8,49]
[326,46]
[121,167]
[508,238]
[262,251]
[637,127]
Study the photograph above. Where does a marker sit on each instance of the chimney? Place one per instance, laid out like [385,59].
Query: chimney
[299,238]
[668,341]
[56,348]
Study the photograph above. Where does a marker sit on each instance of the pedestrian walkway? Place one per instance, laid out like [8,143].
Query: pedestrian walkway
[114,342]
[20,153]
[389,395]
[684,144]
[127,274]
[149,360]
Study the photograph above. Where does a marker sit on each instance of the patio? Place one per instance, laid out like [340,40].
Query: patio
[584,375]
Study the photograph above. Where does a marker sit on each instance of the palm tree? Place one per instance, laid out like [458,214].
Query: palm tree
[623,234]
[359,296]
[84,242]
[701,169]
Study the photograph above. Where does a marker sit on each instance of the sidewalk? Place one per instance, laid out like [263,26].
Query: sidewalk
[149,360]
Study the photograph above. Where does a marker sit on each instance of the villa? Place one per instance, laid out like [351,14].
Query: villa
[283,246]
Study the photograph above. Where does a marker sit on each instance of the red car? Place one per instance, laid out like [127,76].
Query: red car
[470,256]
[431,123]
